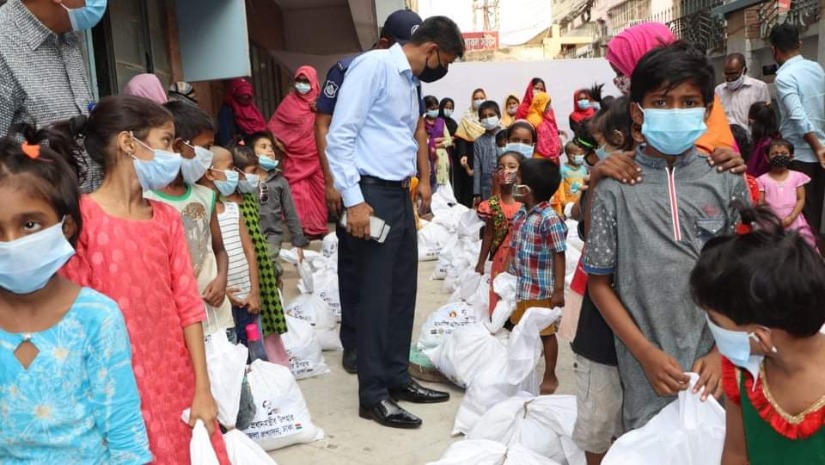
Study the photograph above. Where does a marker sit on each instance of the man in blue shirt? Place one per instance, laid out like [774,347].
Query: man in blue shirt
[800,91]
[398,29]
[372,154]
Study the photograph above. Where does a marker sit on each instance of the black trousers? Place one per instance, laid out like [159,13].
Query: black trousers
[386,276]
[814,194]
[348,289]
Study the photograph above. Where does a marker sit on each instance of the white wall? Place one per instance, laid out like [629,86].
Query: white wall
[563,78]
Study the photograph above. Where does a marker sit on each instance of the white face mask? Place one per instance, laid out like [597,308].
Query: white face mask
[512,109]
[735,85]
[193,169]
[490,123]
[448,112]
[27,264]
[477,103]
[303,88]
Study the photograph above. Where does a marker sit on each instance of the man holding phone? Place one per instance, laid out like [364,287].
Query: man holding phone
[372,150]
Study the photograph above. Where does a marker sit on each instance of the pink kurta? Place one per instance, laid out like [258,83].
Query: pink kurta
[145,267]
[781,198]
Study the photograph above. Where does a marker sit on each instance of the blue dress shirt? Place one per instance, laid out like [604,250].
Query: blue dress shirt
[800,89]
[373,128]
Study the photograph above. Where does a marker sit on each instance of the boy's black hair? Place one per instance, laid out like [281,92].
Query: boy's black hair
[430,101]
[501,136]
[443,31]
[595,92]
[523,124]
[769,277]
[487,105]
[764,121]
[51,175]
[512,153]
[583,137]
[190,120]
[242,155]
[743,140]
[785,37]
[671,66]
[782,143]
[253,139]
[616,120]
[542,176]
[569,147]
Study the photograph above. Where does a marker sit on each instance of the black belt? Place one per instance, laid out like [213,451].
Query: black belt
[373,181]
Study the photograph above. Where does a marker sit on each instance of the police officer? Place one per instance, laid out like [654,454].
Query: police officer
[398,29]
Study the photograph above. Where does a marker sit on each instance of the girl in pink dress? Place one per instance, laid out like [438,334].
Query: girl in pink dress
[134,251]
[498,212]
[783,190]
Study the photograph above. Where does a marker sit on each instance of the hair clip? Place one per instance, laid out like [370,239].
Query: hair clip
[31,150]
[744,229]
[242,143]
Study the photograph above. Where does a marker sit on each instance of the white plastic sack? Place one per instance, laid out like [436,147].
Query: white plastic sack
[244,451]
[305,358]
[686,432]
[469,225]
[542,424]
[505,287]
[200,447]
[485,452]
[464,354]
[306,285]
[315,311]
[226,364]
[443,199]
[329,246]
[505,376]
[291,255]
[281,417]
[326,287]
[443,322]
[431,239]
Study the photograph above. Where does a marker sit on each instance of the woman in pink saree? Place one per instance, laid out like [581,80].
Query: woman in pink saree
[293,124]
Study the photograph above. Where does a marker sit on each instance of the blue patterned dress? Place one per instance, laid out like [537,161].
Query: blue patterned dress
[77,403]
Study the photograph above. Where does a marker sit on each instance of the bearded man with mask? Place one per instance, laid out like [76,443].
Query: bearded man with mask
[372,153]
[740,91]
[42,72]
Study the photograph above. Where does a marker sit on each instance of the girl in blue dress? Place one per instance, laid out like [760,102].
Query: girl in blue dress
[67,391]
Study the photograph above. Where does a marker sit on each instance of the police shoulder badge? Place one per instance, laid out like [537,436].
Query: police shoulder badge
[330,89]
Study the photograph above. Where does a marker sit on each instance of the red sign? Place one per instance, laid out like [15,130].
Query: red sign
[481,40]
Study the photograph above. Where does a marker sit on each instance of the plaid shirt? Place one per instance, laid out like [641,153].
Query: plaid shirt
[537,236]
[42,76]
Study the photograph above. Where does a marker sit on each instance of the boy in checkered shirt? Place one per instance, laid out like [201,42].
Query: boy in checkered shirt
[538,244]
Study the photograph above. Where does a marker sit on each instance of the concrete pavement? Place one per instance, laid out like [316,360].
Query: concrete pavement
[350,440]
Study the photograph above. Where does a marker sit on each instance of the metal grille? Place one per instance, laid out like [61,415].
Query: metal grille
[702,29]
[802,13]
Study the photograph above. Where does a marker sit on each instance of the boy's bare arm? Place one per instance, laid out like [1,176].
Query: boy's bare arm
[664,373]
[559,270]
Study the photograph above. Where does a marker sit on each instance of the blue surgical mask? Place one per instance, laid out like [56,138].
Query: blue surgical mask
[596,106]
[673,131]
[250,184]
[736,347]
[477,103]
[193,169]
[524,149]
[448,112]
[490,123]
[28,263]
[601,152]
[303,88]
[500,150]
[227,187]
[267,163]
[578,160]
[583,104]
[158,172]
[86,17]
[432,114]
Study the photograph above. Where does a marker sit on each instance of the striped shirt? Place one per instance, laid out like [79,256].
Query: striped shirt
[537,236]
[238,277]
[42,77]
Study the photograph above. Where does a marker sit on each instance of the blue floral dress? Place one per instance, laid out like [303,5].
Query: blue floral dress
[77,403]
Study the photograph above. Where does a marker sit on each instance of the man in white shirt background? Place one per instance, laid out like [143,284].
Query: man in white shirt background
[740,91]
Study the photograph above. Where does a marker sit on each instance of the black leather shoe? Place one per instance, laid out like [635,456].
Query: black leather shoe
[350,361]
[388,413]
[418,394]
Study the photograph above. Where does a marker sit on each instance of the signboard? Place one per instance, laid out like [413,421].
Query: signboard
[481,40]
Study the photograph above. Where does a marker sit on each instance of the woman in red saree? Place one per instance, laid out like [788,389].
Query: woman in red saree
[293,124]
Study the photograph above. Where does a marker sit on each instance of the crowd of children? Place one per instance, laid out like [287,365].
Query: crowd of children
[102,297]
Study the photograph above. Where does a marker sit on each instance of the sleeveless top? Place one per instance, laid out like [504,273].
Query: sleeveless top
[238,277]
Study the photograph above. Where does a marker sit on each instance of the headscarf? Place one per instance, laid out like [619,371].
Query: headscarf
[548,143]
[452,126]
[506,118]
[470,128]
[527,101]
[293,123]
[147,86]
[578,114]
[626,49]
[247,117]
[535,114]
